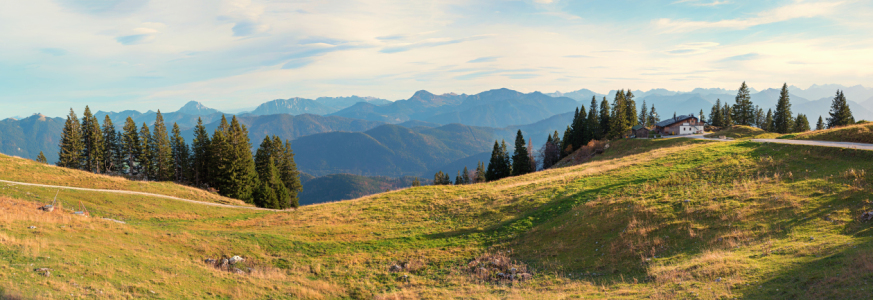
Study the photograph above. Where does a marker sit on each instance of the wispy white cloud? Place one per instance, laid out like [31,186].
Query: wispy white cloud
[791,11]
[702,3]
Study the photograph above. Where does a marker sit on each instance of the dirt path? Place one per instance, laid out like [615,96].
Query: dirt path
[818,143]
[137,193]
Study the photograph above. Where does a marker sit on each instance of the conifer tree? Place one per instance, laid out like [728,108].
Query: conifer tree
[41,158]
[580,129]
[163,152]
[653,117]
[416,182]
[111,156]
[240,181]
[840,114]
[92,141]
[593,123]
[532,154]
[200,154]
[618,122]
[820,125]
[549,153]
[604,119]
[567,142]
[727,120]
[630,110]
[768,121]
[288,170]
[181,156]
[801,124]
[220,157]
[465,177]
[270,191]
[702,118]
[458,179]
[783,121]
[759,117]
[130,147]
[521,158]
[643,118]
[716,117]
[743,112]
[146,153]
[70,153]
[500,166]
[507,162]
[481,173]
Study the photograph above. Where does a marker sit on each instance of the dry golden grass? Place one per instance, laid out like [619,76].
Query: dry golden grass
[858,133]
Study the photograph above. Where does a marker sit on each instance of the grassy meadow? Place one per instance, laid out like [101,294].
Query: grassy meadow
[661,219]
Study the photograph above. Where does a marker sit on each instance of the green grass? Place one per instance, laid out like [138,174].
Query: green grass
[860,133]
[740,132]
[615,227]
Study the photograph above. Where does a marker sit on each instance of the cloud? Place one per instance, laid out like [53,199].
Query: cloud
[429,43]
[246,28]
[103,7]
[692,48]
[701,3]
[53,51]
[779,14]
[578,56]
[135,39]
[484,59]
[743,57]
[522,76]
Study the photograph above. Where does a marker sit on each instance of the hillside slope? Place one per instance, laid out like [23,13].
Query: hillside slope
[761,221]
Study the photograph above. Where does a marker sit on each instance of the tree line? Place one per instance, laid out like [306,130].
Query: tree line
[222,162]
[743,112]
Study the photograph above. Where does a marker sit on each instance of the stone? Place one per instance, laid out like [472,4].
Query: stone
[395,268]
[209,261]
[238,271]
[524,276]
[867,216]
[31,227]
[236,259]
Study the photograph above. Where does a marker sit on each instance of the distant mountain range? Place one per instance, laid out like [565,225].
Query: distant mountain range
[320,106]
[28,136]
[337,187]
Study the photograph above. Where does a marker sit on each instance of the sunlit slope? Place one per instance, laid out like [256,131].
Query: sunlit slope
[630,206]
[25,170]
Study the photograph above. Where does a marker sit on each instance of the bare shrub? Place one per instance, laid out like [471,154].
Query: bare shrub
[498,268]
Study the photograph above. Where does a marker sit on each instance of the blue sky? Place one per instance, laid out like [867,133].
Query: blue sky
[228,54]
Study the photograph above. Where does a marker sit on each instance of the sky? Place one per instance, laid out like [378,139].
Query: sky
[115,55]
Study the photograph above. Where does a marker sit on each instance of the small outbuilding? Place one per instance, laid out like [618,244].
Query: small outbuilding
[640,132]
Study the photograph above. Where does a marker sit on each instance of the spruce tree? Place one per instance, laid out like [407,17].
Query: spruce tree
[727,120]
[288,170]
[481,173]
[653,116]
[163,152]
[494,164]
[220,157]
[507,162]
[181,156]
[416,182]
[716,116]
[604,119]
[111,156]
[743,112]
[759,117]
[271,191]
[200,154]
[521,158]
[70,153]
[820,125]
[243,177]
[92,141]
[630,110]
[593,123]
[618,122]
[801,124]
[702,118]
[146,153]
[458,179]
[41,158]
[130,147]
[580,129]
[643,118]
[567,143]
[465,177]
[840,114]
[783,120]
[768,121]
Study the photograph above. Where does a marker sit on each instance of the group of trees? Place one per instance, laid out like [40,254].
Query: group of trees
[222,162]
[743,112]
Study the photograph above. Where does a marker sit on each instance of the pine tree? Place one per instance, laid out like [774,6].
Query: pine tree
[41,158]
[481,173]
[181,156]
[507,162]
[92,140]
[702,117]
[643,118]
[70,153]
[727,120]
[716,116]
[783,118]
[200,154]
[567,142]
[743,112]
[465,177]
[288,170]
[801,124]
[580,129]
[241,179]
[521,158]
[271,191]
[163,152]
[146,153]
[220,164]
[111,156]
[500,166]
[768,121]
[604,119]
[759,117]
[840,114]
[820,125]
[438,178]
[458,179]
[630,110]
[416,182]
[618,120]
[130,147]
[549,153]
[653,117]
[593,123]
